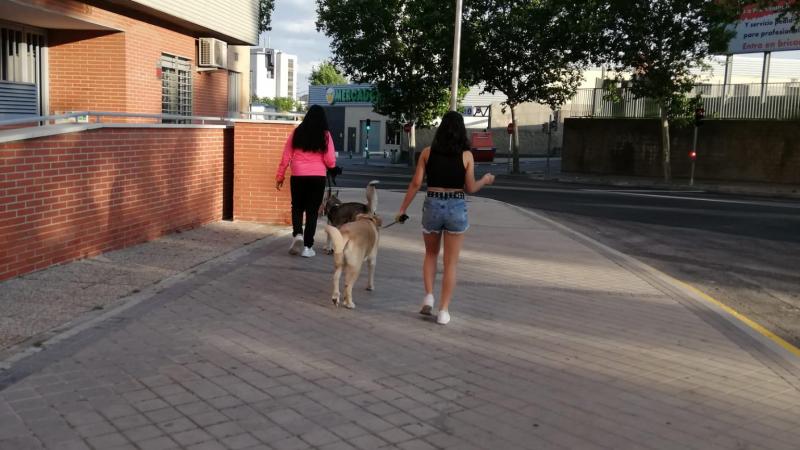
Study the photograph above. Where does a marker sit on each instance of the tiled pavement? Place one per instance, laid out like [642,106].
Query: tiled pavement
[555,343]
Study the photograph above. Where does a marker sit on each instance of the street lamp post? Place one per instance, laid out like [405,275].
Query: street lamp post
[456,57]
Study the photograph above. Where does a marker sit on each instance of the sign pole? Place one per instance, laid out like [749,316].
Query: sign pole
[765,76]
[693,156]
[549,135]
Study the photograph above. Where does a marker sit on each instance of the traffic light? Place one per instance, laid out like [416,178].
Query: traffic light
[369,124]
[693,155]
[699,116]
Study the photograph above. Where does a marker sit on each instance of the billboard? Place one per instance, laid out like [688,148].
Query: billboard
[764,30]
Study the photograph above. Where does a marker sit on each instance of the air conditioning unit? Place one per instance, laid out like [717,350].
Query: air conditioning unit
[212,54]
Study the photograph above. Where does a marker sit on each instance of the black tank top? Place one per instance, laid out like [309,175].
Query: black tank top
[445,171]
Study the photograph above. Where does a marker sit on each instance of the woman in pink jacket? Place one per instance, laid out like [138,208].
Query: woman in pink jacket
[310,151]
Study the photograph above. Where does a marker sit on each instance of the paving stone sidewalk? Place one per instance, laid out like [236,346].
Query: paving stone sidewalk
[39,304]
[554,344]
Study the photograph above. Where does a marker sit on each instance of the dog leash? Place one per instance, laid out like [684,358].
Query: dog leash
[401,219]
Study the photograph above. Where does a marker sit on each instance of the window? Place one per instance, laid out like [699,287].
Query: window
[393,131]
[269,64]
[176,86]
[234,91]
[21,89]
[290,82]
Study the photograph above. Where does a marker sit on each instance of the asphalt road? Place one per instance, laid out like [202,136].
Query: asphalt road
[744,252]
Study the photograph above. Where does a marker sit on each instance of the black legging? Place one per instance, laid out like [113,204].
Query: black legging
[307,192]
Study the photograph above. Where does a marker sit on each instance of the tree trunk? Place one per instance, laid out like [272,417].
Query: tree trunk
[515,147]
[665,144]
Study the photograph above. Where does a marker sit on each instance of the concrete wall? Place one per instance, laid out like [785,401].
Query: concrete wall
[730,150]
[236,19]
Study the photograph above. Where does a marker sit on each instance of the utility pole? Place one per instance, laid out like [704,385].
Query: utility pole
[456,57]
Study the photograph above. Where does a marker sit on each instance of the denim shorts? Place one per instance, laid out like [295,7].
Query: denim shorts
[444,214]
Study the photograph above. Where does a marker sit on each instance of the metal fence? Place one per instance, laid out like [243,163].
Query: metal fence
[778,101]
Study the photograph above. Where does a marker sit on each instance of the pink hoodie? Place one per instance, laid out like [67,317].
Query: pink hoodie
[306,163]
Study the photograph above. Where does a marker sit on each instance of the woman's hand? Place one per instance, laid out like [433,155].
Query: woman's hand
[279,184]
[488,179]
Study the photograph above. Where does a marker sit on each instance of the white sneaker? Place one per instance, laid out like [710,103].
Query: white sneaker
[297,245]
[308,252]
[427,305]
[443,317]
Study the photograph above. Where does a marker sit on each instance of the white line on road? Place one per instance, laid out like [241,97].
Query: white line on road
[657,194]
[628,192]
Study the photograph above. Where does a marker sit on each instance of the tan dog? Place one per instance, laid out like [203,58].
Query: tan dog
[354,243]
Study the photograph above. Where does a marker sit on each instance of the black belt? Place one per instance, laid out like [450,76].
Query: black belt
[446,195]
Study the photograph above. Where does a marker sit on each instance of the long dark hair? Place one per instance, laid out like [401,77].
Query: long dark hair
[310,134]
[451,137]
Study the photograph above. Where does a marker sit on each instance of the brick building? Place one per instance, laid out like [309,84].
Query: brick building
[127,174]
[125,56]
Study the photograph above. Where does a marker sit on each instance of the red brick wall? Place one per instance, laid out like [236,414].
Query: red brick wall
[116,71]
[211,93]
[75,195]
[257,153]
[87,71]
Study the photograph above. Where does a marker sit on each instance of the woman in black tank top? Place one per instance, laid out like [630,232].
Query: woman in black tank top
[450,171]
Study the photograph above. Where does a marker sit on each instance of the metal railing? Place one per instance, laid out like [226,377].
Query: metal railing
[98,117]
[778,101]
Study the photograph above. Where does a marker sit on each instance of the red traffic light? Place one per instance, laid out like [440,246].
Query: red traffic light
[693,155]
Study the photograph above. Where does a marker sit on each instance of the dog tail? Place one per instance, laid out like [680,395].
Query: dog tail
[372,196]
[338,243]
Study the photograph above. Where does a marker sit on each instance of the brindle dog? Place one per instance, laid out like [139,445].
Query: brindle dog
[340,213]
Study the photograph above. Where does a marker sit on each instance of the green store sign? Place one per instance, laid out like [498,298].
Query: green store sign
[357,95]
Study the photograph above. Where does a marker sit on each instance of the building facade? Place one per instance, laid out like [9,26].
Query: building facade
[273,73]
[148,56]
[349,108]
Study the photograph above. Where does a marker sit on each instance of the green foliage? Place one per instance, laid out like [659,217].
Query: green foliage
[281,104]
[265,9]
[326,73]
[533,50]
[403,47]
[661,44]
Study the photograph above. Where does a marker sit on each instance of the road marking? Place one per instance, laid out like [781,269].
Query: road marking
[659,191]
[744,319]
[698,199]
[632,192]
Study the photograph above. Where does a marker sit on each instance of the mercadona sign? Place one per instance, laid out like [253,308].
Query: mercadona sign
[351,95]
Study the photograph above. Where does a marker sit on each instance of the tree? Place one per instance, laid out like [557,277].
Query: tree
[403,47]
[265,9]
[282,104]
[326,73]
[657,45]
[533,50]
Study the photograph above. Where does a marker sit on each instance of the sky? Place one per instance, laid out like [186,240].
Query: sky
[294,32]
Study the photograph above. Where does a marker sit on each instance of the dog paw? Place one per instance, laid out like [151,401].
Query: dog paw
[350,305]
[335,301]
[370,288]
